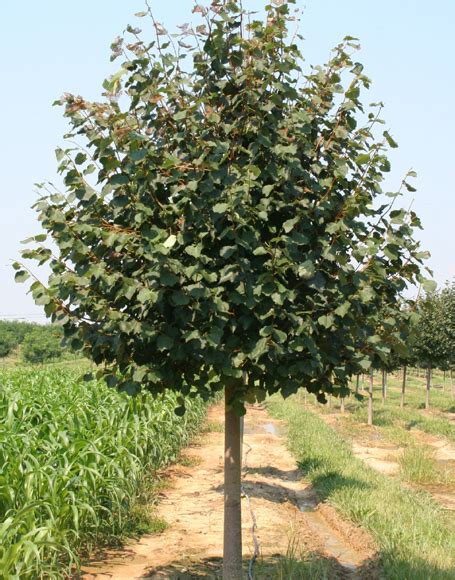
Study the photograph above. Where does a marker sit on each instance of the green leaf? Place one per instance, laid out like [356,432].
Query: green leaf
[138,155]
[164,342]
[220,208]
[215,336]
[146,296]
[180,299]
[260,251]
[279,335]
[119,179]
[180,115]
[429,285]
[228,251]
[367,294]
[194,251]
[392,143]
[21,276]
[170,242]
[306,270]
[362,159]
[326,320]
[289,224]
[343,309]
[260,348]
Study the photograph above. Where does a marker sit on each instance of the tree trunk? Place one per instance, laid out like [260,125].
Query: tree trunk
[427,392]
[357,384]
[383,386]
[232,551]
[370,401]
[329,401]
[452,384]
[403,387]
[342,404]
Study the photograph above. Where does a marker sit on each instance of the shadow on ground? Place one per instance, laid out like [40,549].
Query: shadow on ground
[275,567]
[314,567]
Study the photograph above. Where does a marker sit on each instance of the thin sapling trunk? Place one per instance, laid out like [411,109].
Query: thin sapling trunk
[232,550]
[403,387]
[370,400]
[384,379]
[427,391]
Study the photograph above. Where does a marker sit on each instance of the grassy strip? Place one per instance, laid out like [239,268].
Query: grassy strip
[78,463]
[412,531]
[411,419]
[440,399]
[417,463]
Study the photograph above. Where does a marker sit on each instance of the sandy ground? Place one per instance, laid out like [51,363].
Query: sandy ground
[286,509]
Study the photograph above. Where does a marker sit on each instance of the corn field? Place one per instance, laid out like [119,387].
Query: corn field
[73,458]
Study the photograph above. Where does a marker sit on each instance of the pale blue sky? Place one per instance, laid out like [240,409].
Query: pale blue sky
[50,47]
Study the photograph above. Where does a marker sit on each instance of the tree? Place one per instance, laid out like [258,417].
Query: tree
[431,344]
[447,304]
[223,225]
[6,346]
[42,345]
[12,334]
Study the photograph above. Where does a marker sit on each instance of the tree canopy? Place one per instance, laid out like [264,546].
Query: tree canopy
[226,218]
[433,336]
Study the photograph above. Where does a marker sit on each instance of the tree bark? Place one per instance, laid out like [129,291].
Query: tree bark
[427,392]
[370,401]
[357,384]
[403,387]
[342,404]
[232,551]
[452,384]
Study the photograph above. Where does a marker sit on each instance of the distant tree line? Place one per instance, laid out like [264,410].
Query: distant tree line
[38,343]
[433,338]
[431,343]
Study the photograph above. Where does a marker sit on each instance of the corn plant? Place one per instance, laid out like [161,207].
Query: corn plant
[74,456]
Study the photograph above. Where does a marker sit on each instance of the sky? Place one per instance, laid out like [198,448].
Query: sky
[51,47]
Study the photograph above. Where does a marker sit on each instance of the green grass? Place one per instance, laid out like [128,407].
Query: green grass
[78,466]
[415,538]
[213,427]
[190,461]
[301,565]
[417,465]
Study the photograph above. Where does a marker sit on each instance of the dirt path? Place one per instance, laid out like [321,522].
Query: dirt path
[286,509]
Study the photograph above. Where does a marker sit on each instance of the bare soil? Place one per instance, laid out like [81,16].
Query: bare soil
[371,448]
[287,511]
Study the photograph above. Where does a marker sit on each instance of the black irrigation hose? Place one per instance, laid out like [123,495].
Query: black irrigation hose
[256,551]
